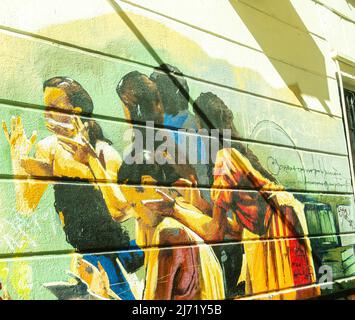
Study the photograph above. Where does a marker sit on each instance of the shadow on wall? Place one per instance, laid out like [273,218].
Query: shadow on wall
[275,42]
[351,4]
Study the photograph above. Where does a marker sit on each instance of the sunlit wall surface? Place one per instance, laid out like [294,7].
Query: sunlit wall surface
[269,214]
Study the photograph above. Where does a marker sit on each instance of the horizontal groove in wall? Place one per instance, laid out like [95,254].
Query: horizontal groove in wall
[265,294]
[270,294]
[218,35]
[336,12]
[282,21]
[12,178]
[173,129]
[255,95]
[134,62]
[340,292]
[59,253]
[36,255]
[234,41]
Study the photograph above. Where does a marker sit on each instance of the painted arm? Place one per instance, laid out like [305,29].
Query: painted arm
[48,164]
[85,154]
[65,166]
[210,229]
[117,204]
[28,193]
[217,226]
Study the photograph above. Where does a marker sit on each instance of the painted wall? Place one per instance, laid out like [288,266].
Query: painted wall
[276,223]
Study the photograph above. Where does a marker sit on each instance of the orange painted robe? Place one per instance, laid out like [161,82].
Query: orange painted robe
[278,256]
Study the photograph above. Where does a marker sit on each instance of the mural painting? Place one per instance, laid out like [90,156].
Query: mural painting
[91,215]
[170,200]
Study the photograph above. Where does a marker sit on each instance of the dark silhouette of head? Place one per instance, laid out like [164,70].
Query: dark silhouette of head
[173,88]
[213,113]
[142,102]
[141,98]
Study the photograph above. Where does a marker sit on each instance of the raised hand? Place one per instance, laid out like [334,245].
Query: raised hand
[164,206]
[79,146]
[20,145]
[59,128]
[188,188]
[191,193]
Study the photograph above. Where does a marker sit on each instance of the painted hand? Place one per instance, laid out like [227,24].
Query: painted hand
[59,128]
[192,194]
[79,145]
[164,206]
[188,189]
[20,145]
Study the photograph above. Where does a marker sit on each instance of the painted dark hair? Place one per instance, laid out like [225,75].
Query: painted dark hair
[79,97]
[213,113]
[173,88]
[144,96]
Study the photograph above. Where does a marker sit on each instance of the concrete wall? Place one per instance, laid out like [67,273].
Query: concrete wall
[271,62]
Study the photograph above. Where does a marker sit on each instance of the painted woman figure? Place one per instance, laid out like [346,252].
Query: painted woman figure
[188,272]
[174,92]
[85,219]
[268,213]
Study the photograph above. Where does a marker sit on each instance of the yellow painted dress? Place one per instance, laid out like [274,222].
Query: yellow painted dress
[278,257]
[149,228]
